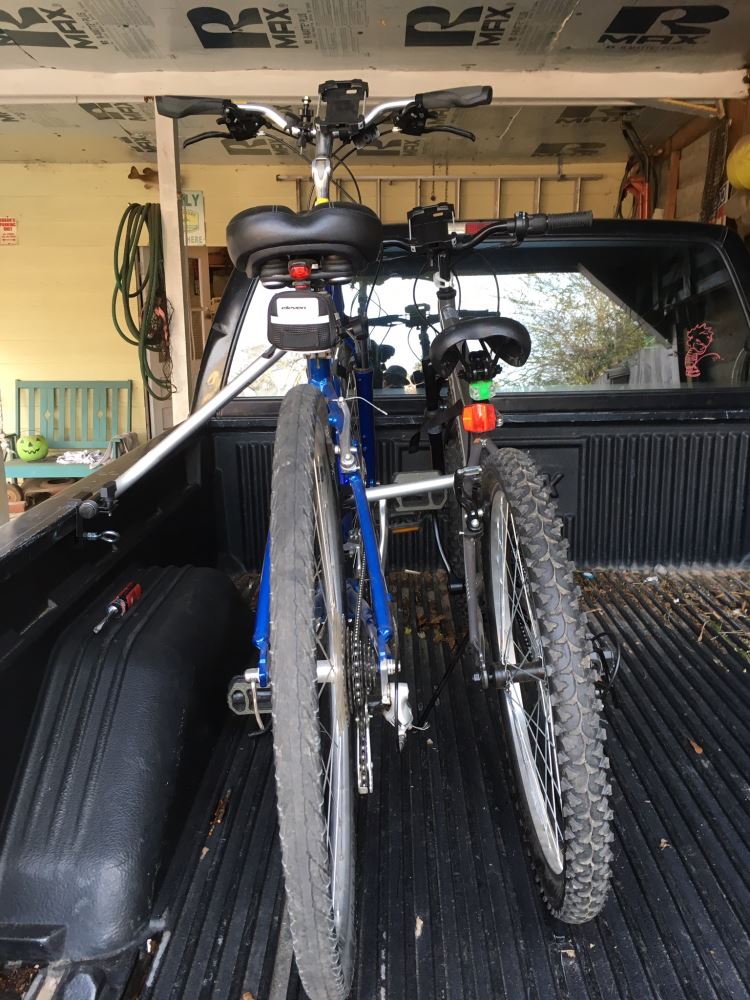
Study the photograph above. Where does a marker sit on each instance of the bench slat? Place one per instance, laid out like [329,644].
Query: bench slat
[90,409]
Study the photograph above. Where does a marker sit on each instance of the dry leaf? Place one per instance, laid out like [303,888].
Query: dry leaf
[664,843]
[418,928]
[570,952]
[204,852]
[696,746]
[248,996]
[221,809]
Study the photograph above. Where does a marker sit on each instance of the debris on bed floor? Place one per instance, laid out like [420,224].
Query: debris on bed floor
[448,906]
[15,980]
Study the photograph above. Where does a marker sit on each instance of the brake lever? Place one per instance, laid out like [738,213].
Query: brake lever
[242,125]
[413,121]
[205,135]
[453,129]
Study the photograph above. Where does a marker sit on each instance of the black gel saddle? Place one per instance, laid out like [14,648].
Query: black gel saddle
[340,240]
[504,337]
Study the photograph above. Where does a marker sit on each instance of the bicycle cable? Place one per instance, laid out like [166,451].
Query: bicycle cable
[340,161]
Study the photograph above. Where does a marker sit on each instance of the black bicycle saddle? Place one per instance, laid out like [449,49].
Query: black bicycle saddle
[503,336]
[341,238]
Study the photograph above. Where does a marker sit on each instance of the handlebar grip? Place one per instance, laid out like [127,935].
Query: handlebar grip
[569,220]
[181,107]
[459,97]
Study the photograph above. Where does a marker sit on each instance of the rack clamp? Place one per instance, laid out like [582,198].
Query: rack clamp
[102,503]
[472,502]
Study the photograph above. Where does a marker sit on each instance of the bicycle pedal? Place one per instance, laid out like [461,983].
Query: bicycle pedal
[401,524]
[429,501]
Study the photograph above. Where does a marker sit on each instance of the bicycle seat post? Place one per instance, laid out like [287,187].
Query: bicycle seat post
[321,165]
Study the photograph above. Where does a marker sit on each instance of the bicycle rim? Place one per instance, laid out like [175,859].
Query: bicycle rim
[529,717]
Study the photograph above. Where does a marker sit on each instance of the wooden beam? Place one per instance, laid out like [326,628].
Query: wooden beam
[689,133]
[175,261]
[519,88]
[738,113]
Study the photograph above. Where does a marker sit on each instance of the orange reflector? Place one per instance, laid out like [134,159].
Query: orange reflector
[479,417]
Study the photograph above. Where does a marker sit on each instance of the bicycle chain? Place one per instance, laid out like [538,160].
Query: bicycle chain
[361,659]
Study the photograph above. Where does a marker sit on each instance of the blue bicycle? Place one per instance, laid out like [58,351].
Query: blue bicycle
[325,631]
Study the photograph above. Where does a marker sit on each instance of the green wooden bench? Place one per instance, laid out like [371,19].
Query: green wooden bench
[71,416]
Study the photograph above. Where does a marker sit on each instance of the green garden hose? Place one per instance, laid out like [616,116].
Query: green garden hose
[149,331]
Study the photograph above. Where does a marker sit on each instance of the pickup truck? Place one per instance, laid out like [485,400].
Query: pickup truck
[138,846]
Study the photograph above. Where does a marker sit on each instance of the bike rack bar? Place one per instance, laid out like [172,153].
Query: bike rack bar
[164,446]
[377,493]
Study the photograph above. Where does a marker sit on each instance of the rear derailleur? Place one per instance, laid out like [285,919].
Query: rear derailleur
[373,687]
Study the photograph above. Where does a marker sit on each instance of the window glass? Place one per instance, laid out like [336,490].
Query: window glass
[602,317]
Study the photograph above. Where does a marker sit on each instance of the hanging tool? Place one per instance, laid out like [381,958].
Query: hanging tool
[640,178]
[120,604]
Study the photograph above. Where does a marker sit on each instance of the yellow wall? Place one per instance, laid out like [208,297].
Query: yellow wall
[56,285]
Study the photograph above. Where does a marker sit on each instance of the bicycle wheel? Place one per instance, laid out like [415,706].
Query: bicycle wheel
[553,729]
[311,723]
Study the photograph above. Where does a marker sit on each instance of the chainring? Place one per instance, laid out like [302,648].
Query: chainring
[361,660]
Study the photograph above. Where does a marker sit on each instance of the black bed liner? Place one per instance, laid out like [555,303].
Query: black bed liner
[449,910]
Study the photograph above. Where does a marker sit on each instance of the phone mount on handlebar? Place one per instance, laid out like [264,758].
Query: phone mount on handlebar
[344,102]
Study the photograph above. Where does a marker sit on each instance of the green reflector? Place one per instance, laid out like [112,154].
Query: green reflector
[481,392]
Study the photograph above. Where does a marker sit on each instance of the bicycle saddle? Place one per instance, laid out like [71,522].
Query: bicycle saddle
[341,239]
[504,337]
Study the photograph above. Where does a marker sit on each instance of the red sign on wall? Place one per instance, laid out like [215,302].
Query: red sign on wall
[8,231]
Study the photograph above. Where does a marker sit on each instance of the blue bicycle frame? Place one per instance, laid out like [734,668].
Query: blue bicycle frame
[320,374]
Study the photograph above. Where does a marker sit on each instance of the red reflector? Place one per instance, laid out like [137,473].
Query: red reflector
[470,228]
[479,417]
[299,272]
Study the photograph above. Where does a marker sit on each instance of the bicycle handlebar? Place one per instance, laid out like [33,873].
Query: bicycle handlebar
[286,123]
[522,225]
[459,97]
[561,221]
[182,107]
[517,228]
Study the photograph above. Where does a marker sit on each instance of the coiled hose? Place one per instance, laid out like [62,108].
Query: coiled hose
[149,331]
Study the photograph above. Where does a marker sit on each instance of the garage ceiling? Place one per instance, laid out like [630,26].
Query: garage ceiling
[91,132]
[127,36]
[584,56]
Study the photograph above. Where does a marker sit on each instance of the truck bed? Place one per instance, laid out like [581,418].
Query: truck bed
[449,909]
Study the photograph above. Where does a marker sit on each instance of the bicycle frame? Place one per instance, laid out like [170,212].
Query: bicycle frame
[320,375]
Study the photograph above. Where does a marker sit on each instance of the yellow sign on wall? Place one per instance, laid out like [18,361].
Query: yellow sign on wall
[193,218]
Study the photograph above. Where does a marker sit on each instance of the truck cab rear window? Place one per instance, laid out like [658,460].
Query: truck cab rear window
[603,316]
